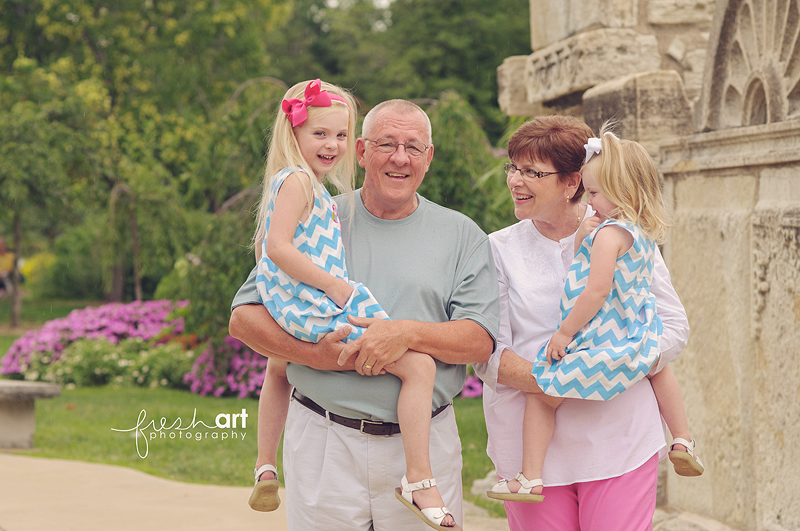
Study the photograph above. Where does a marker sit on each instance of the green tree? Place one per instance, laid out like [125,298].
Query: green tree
[412,49]
[47,147]
[463,174]
[172,140]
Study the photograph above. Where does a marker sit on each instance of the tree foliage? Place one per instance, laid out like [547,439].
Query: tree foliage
[411,49]
[138,122]
[462,154]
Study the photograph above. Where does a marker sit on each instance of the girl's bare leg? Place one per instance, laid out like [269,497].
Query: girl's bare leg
[417,373]
[537,430]
[273,406]
[670,404]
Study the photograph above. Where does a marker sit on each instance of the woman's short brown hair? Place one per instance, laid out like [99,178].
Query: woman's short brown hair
[558,140]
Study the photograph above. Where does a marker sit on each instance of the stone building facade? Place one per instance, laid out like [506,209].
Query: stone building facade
[712,89]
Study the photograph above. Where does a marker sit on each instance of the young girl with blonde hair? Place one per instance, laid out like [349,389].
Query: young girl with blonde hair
[302,278]
[608,336]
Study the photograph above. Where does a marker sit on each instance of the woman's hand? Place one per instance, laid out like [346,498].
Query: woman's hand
[557,347]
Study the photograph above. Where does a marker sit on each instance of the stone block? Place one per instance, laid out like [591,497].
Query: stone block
[680,11]
[694,62]
[555,21]
[648,107]
[512,95]
[17,414]
[588,59]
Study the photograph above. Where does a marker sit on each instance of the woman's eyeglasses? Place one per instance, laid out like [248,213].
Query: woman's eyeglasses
[527,173]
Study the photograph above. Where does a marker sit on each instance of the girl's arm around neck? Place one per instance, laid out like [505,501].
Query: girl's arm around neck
[291,207]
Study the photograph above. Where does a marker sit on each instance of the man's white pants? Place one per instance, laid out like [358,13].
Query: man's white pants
[338,478]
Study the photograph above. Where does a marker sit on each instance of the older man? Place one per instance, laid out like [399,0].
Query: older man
[432,270]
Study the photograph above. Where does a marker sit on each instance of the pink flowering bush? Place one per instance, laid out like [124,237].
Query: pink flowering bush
[473,387]
[112,322]
[227,367]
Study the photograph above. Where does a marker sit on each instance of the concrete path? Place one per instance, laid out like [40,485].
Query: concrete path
[39,494]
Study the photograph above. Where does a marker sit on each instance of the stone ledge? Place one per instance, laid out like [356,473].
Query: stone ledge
[587,59]
[736,148]
[20,390]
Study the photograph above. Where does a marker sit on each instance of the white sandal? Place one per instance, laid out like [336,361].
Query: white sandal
[686,463]
[265,497]
[433,516]
[502,492]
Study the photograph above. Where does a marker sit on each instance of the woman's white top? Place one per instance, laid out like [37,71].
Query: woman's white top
[592,440]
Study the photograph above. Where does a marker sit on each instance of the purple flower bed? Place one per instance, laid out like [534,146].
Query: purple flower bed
[113,322]
[227,367]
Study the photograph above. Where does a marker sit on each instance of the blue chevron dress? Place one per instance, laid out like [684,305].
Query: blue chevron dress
[302,310]
[619,346]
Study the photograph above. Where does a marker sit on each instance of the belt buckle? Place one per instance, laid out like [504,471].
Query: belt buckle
[368,422]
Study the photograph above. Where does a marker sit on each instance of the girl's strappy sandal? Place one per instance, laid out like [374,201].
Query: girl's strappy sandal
[433,516]
[502,492]
[686,463]
[265,497]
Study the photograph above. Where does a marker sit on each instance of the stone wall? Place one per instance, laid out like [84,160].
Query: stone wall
[734,256]
[579,43]
[712,90]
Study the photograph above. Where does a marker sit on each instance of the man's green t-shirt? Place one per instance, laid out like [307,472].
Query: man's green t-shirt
[435,265]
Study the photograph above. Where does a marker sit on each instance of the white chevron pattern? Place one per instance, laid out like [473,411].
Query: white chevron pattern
[619,346]
[302,310]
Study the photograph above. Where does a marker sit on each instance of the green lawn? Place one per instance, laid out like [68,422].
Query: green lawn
[5,342]
[78,425]
[36,312]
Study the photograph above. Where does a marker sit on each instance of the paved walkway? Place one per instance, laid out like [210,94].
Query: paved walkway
[39,494]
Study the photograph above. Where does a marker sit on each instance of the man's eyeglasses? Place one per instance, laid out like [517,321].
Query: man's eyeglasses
[389,145]
[527,173]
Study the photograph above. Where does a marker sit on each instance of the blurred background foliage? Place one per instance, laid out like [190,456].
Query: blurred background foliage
[134,133]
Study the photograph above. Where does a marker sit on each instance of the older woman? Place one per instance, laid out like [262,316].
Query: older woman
[600,471]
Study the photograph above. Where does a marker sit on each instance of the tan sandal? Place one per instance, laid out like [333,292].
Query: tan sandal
[265,496]
[433,516]
[686,463]
[501,491]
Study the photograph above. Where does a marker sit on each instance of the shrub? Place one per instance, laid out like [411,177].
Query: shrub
[211,275]
[77,269]
[113,322]
[133,361]
[35,270]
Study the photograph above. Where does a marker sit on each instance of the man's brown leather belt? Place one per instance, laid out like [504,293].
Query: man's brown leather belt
[369,427]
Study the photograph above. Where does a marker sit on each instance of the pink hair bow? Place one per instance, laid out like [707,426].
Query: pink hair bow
[296,110]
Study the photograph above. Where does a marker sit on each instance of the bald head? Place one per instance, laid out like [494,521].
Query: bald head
[397,106]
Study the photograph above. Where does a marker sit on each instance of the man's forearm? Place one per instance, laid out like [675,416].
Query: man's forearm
[253,325]
[456,342]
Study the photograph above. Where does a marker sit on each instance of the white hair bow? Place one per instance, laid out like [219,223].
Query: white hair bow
[595,145]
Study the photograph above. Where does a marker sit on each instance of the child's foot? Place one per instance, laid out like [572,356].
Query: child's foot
[424,499]
[519,489]
[683,458]
[428,498]
[265,497]
[515,486]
